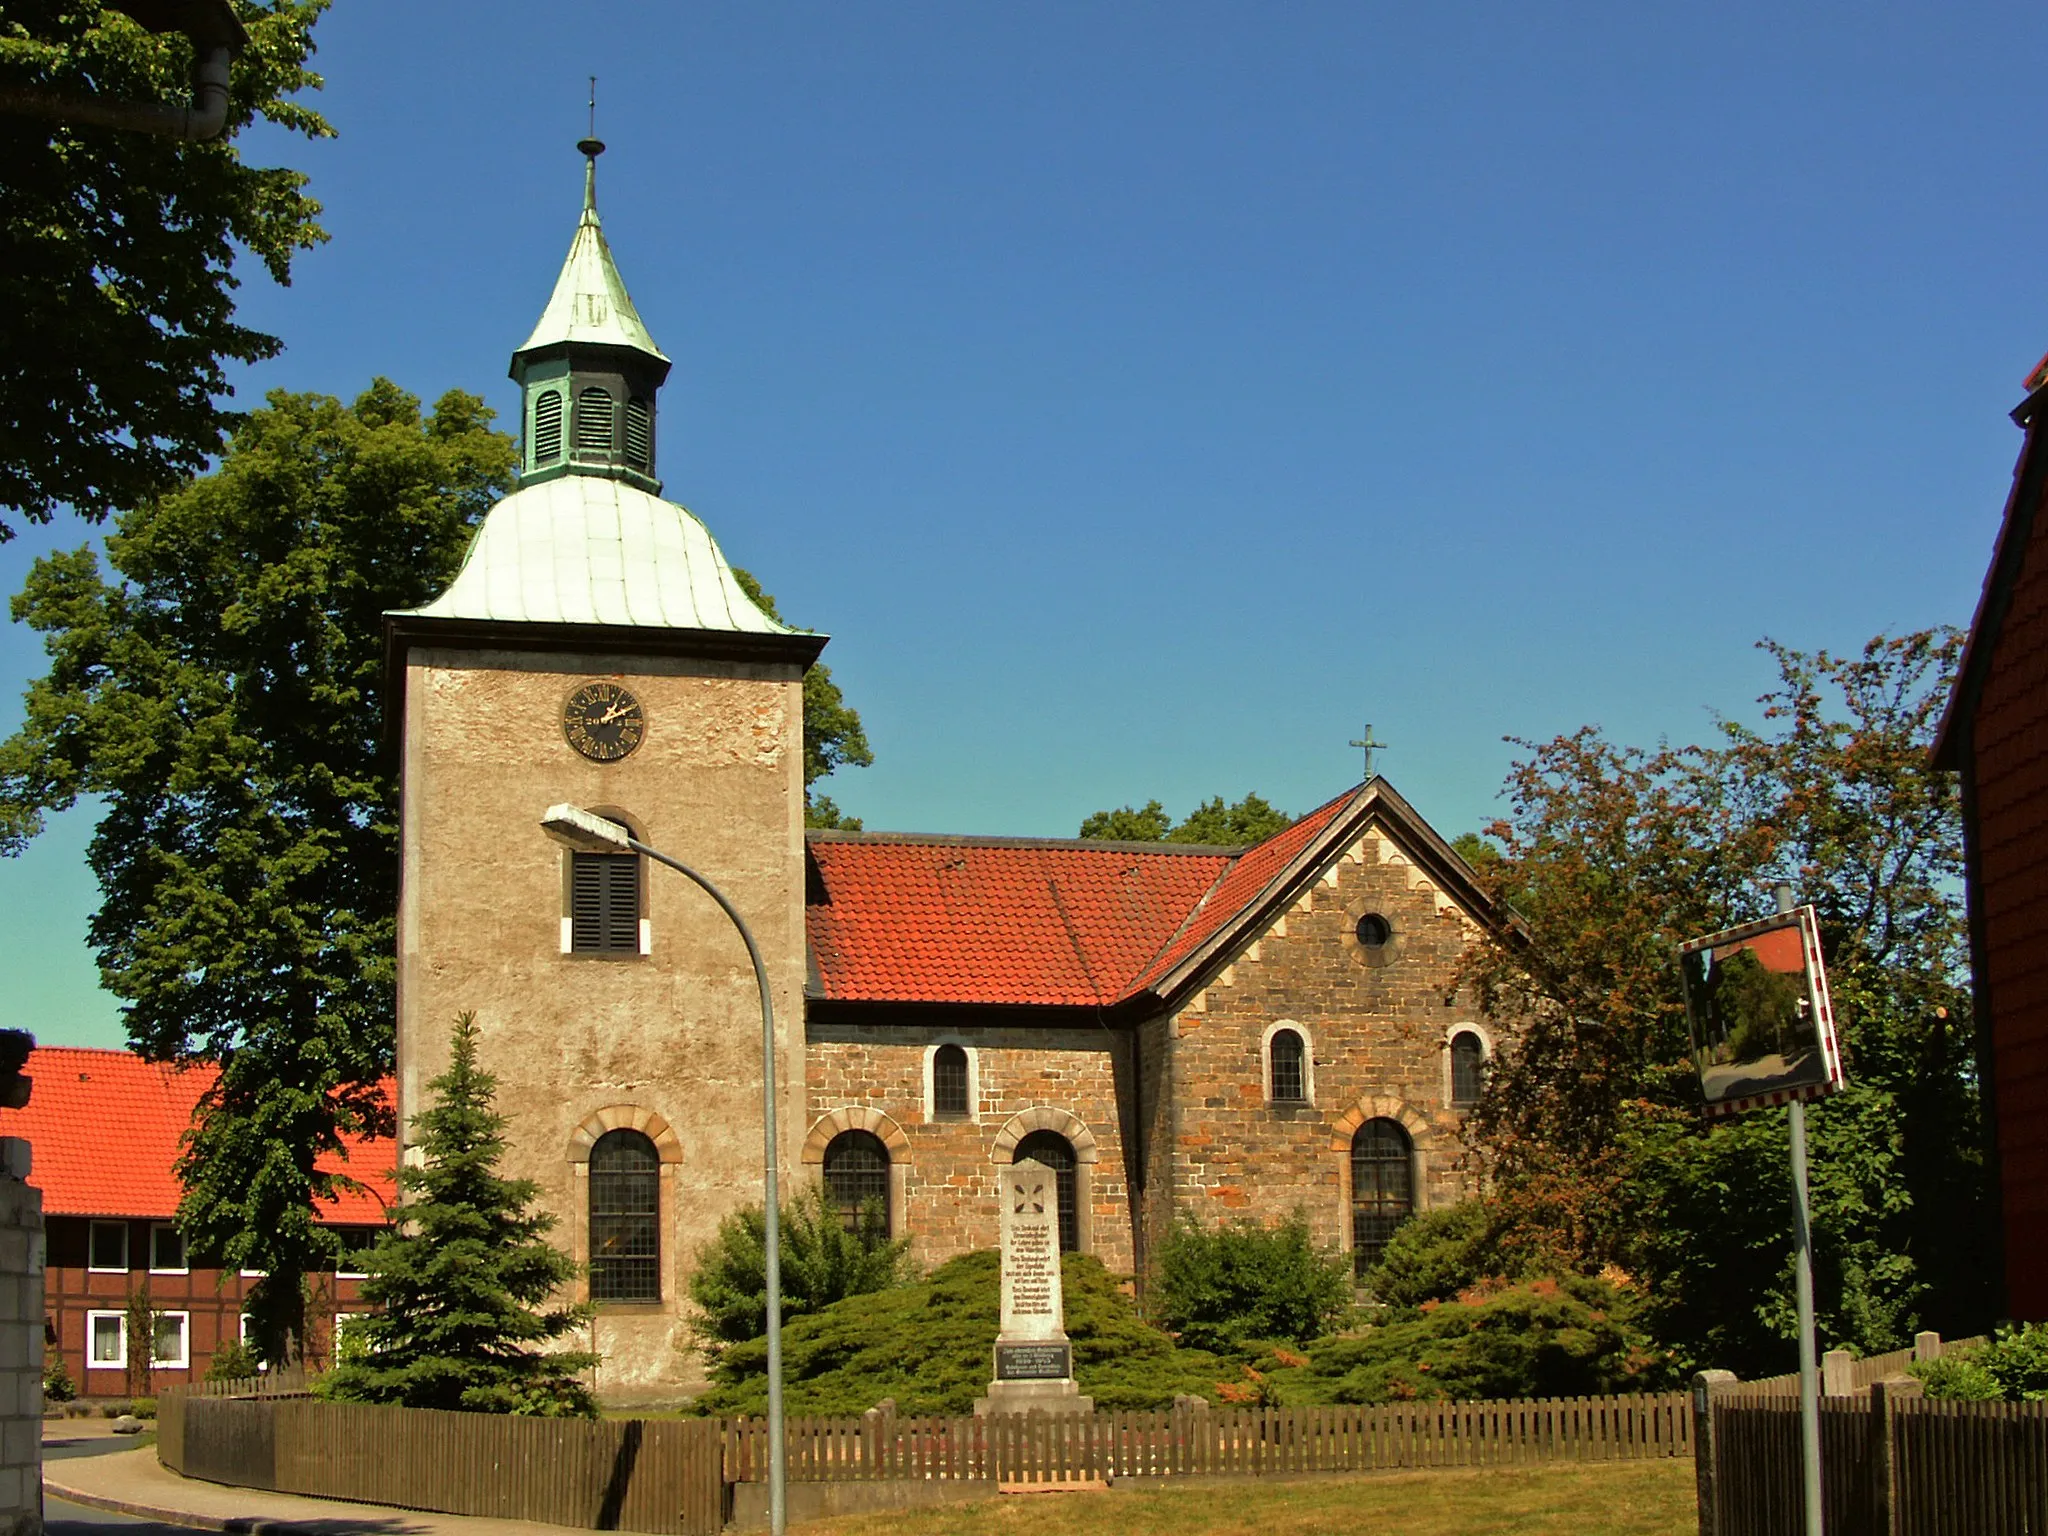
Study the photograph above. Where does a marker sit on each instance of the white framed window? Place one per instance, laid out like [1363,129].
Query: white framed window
[106,1341]
[167,1250]
[254,1274]
[1287,1064]
[1467,1055]
[107,1248]
[172,1338]
[952,1082]
[350,1265]
[349,1343]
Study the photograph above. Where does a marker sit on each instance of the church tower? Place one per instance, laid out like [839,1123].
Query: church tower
[596,649]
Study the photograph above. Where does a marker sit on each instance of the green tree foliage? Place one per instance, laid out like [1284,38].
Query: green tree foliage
[232,1360]
[221,693]
[118,252]
[1571,1337]
[1590,1125]
[822,1262]
[930,1346]
[465,1280]
[1212,822]
[1220,1287]
[1438,1254]
[2011,1367]
[833,737]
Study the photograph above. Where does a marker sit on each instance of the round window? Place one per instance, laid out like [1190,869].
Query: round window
[1373,930]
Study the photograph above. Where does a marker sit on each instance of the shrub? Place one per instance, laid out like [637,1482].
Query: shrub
[116,1410]
[822,1262]
[145,1408]
[930,1345]
[232,1361]
[1440,1254]
[1576,1336]
[2012,1365]
[58,1386]
[1218,1288]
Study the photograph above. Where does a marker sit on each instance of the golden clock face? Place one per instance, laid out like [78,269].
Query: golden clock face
[603,721]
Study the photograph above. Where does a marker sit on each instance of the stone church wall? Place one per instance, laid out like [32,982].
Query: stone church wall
[946,1170]
[669,1041]
[1378,1028]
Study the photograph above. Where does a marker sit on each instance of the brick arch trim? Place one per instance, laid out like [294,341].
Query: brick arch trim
[1044,1118]
[1378,1106]
[855,1118]
[625,1117]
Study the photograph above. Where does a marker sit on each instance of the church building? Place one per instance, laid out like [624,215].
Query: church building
[1214,1032]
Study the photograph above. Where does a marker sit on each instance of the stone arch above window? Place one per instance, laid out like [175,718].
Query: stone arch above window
[1044,1118]
[1378,1106]
[856,1118]
[1273,1066]
[625,1117]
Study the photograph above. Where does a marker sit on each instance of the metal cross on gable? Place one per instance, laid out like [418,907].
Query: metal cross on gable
[1370,746]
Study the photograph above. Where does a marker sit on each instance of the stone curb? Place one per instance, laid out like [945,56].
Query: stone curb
[165,1516]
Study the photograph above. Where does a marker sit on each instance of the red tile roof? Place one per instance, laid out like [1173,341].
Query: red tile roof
[906,918]
[104,1128]
[1250,876]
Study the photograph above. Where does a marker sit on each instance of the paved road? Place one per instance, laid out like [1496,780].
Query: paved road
[62,1518]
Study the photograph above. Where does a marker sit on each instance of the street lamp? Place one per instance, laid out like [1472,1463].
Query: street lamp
[586,832]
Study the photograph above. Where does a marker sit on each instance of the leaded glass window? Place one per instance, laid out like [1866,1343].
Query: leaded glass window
[1382,1188]
[857,1171]
[949,1082]
[1290,1084]
[625,1218]
[1468,1069]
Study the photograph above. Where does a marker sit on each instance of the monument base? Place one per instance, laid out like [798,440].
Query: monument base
[1060,1397]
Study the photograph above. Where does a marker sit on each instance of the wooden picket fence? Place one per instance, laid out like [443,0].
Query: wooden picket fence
[1021,1450]
[1893,1463]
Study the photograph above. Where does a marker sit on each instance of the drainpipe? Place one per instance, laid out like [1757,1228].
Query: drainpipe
[216,38]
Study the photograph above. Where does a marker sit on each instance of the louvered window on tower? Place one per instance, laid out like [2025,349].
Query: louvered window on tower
[639,434]
[547,427]
[594,421]
[604,903]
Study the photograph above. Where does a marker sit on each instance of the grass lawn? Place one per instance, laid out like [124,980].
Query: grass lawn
[1626,1498]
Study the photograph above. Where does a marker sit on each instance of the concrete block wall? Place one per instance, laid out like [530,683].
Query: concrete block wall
[21,1347]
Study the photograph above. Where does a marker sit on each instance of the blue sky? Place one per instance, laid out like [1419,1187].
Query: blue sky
[1146,396]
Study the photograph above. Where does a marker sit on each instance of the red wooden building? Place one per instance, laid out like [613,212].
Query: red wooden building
[104,1126]
[1995,734]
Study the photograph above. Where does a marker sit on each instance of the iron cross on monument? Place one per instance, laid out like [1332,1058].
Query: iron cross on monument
[1370,746]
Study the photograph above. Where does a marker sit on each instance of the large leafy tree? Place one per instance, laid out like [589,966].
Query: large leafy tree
[1590,1125]
[1250,820]
[219,692]
[465,1281]
[119,252]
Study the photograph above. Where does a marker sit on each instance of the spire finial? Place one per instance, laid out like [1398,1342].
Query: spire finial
[591,148]
[1371,746]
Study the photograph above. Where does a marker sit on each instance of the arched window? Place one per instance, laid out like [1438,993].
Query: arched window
[594,421]
[1057,1153]
[949,1082]
[857,1171]
[547,427]
[604,903]
[639,434]
[1289,1083]
[1382,1188]
[625,1218]
[1468,1069]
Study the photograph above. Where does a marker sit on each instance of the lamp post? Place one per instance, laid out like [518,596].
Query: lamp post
[586,832]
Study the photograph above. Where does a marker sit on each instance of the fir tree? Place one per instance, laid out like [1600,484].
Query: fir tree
[464,1278]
